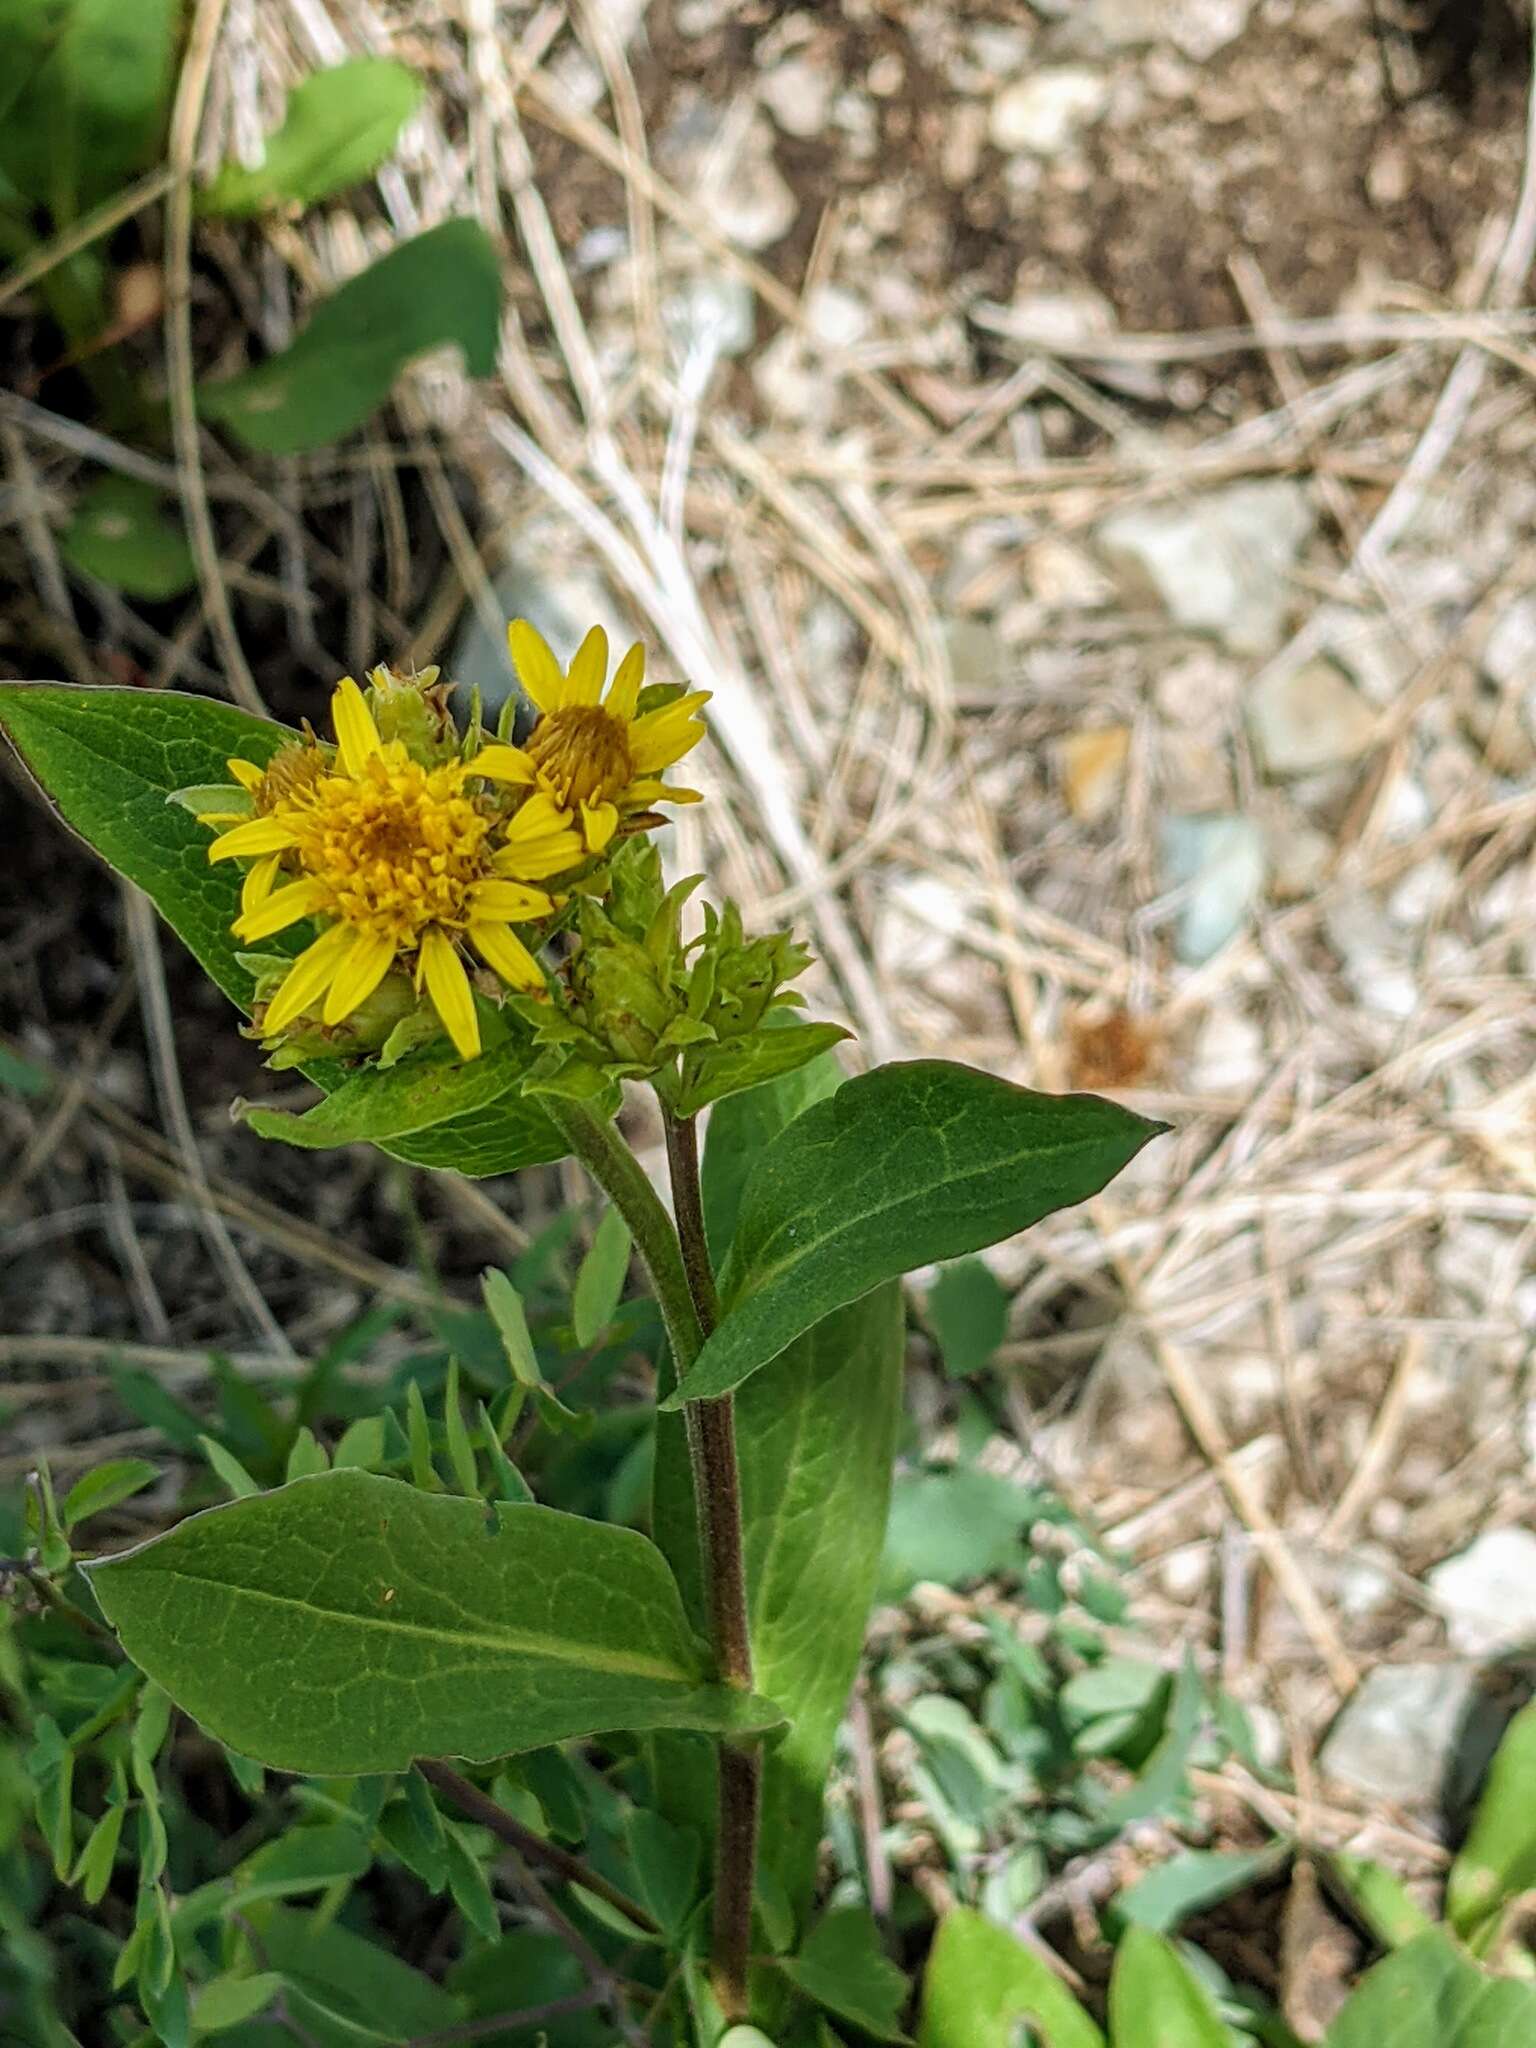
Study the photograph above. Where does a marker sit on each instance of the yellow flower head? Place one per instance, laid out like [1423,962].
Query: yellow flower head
[598,757]
[396,859]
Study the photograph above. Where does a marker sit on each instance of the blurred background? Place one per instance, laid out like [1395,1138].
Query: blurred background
[1086,447]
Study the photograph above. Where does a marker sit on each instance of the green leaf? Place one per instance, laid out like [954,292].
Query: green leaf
[815,1436]
[96,1861]
[504,1305]
[1189,1882]
[842,1967]
[304,1860]
[110,760]
[428,1089]
[907,1164]
[468,1884]
[1156,2001]
[511,1486]
[982,1985]
[341,1988]
[667,1861]
[947,1527]
[51,1764]
[1498,1859]
[229,1468]
[362,1444]
[461,1452]
[349,1623]
[600,1279]
[1380,1898]
[231,2000]
[712,1073]
[125,533]
[106,1487]
[443,286]
[306,1456]
[1163,1780]
[92,82]
[968,1309]
[339,125]
[1431,1995]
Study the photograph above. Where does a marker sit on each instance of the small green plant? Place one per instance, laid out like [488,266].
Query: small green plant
[468,946]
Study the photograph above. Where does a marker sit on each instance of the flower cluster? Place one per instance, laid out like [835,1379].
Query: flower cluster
[416,850]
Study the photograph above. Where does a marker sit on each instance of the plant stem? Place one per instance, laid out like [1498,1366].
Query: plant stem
[480,1807]
[717,1493]
[677,1260]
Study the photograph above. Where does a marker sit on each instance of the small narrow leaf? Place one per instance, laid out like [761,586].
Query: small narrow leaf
[362,1444]
[366,1623]
[1380,1898]
[51,1763]
[461,1452]
[95,1863]
[600,1279]
[419,1436]
[510,1484]
[504,1305]
[107,1486]
[339,125]
[667,1862]
[306,1456]
[229,1468]
[1497,1862]
[984,1989]
[903,1166]
[230,2000]
[443,286]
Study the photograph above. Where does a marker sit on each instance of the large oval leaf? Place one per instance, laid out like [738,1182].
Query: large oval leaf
[1157,2001]
[982,1985]
[1431,1995]
[347,1623]
[912,1163]
[109,760]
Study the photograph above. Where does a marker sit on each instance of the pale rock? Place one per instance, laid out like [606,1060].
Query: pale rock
[1063,577]
[978,656]
[1415,1734]
[1043,112]
[1219,865]
[1487,1593]
[799,94]
[1228,1056]
[791,380]
[836,316]
[1362,1583]
[915,929]
[1220,564]
[1509,653]
[1308,718]
[1374,956]
[1092,768]
[715,311]
[752,205]
[1053,319]
[1421,892]
[1299,856]
[1198,690]
[1197,27]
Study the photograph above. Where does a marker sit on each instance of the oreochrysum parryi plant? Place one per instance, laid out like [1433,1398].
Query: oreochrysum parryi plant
[469,947]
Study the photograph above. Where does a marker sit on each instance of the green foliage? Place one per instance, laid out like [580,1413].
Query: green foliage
[1156,2000]
[1497,1862]
[842,1967]
[1432,1995]
[124,533]
[907,1164]
[442,287]
[968,1310]
[87,85]
[396,1625]
[339,125]
[982,1984]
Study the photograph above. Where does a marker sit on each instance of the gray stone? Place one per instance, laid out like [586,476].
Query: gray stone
[1197,27]
[714,310]
[1417,1734]
[1487,1593]
[1509,653]
[1220,862]
[1308,718]
[1220,564]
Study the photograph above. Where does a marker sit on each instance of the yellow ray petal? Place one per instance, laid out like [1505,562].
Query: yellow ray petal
[356,734]
[625,693]
[540,841]
[540,674]
[649,791]
[500,763]
[246,773]
[664,736]
[307,979]
[281,909]
[256,835]
[448,986]
[257,886]
[363,967]
[508,901]
[589,669]
[504,951]
[599,822]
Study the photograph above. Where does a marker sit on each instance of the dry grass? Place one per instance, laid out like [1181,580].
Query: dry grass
[1300,1331]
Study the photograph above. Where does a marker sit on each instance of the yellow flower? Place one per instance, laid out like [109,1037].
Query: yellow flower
[396,860]
[592,754]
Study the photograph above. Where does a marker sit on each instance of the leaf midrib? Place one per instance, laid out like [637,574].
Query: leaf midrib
[511,1642]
